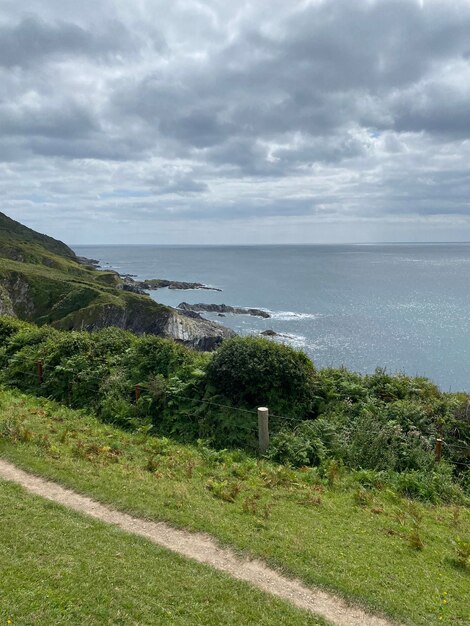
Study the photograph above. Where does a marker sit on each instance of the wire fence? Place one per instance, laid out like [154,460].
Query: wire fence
[262,418]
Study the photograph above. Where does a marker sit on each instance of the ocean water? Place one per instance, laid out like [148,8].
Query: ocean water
[404,307]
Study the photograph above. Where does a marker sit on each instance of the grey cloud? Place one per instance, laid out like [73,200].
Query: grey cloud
[437,108]
[244,110]
[66,121]
[332,66]
[32,39]
[179,184]
[225,211]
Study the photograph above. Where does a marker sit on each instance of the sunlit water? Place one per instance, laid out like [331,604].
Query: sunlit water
[403,307]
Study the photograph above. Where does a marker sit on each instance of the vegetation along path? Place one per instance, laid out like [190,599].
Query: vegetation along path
[201,548]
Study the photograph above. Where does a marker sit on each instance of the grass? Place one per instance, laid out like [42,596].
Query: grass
[378,549]
[66,294]
[58,568]
[44,283]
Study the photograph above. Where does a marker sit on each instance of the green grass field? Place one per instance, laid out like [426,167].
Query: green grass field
[57,567]
[385,552]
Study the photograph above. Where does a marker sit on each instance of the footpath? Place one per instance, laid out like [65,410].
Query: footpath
[202,548]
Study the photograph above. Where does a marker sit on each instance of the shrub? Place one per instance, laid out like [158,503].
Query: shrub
[10,326]
[338,386]
[252,372]
[20,354]
[388,387]
[432,486]
[153,355]
[377,442]
[111,342]
[311,443]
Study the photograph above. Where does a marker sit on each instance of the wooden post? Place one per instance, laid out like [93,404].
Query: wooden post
[263,429]
[137,393]
[438,450]
[39,372]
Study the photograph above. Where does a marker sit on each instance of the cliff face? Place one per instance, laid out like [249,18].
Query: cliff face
[6,306]
[143,317]
[41,280]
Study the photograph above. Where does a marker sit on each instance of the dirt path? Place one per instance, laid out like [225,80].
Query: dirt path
[201,548]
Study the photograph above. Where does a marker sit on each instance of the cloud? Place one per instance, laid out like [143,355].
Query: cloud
[324,111]
[31,41]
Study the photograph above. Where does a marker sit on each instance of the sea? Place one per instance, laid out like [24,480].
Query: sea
[402,307]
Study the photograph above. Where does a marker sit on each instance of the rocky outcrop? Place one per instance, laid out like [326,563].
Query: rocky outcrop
[222,308]
[198,333]
[159,283]
[148,317]
[90,263]
[133,288]
[83,307]
[16,296]
[272,333]
[6,306]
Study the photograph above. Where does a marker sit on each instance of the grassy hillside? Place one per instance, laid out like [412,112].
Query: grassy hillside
[340,529]
[42,281]
[47,284]
[23,244]
[64,569]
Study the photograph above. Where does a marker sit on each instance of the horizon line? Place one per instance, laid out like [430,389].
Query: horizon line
[236,245]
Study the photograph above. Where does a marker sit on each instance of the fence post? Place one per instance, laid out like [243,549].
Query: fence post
[137,393]
[263,429]
[39,372]
[438,450]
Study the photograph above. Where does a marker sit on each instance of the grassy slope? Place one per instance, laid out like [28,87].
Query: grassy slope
[17,239]
[57,567]
[63,291]
[361,547]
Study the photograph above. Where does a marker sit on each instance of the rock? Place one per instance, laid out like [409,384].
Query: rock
[272,333]
[83,260]
[222,308]
[6,306]
[144,316]
[192,314]
[159,283]
[133,288]
[200,334]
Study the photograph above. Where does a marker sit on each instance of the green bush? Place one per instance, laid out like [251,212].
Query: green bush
[311,443]
[10,326]
[377,441]
[381,426]
[389,388]
[153,355]
[254,372]
[435,485]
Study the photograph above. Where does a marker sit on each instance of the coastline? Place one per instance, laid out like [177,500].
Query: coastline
[400,307]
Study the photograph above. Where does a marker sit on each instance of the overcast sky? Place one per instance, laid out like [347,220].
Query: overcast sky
[186,121]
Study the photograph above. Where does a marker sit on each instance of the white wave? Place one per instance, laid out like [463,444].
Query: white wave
[301,342]
[287,316]
[297,341]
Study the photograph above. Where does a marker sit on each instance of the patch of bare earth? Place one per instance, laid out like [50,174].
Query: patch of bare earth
[201,548]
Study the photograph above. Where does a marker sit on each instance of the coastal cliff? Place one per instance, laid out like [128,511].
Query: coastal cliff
[43,281]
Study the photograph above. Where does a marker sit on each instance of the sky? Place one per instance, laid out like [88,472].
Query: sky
[262,121]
